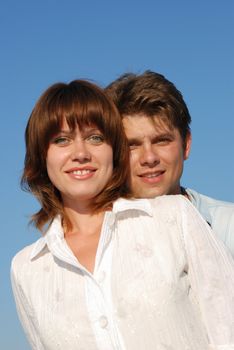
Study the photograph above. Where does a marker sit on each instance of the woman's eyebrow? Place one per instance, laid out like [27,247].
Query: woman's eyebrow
[65,131]
[90,129]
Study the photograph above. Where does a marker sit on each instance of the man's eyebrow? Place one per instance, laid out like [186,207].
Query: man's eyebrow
[165,135]
[152,137]
[134,139]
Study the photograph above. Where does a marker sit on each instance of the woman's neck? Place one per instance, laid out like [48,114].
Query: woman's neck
[84,235]
[84,221]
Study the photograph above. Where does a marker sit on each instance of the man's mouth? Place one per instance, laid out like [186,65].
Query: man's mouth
[152,174]
[152,177]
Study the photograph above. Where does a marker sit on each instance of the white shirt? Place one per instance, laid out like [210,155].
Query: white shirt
[219,214]
[161,281]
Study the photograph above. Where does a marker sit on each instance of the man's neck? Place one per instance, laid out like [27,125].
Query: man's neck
[183,192]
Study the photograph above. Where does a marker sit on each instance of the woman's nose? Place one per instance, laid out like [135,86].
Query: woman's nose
[80,151]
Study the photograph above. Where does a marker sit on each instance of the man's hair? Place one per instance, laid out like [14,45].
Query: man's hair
[79,103]
[152,95]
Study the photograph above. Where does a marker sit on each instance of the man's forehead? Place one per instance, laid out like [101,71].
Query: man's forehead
[157,123]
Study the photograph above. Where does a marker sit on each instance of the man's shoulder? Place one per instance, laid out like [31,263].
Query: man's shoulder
[219,214]
[201,199]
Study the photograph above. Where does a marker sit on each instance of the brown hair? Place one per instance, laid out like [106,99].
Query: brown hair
[80,103]
[152,95]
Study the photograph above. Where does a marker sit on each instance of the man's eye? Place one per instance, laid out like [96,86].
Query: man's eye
[132,146]
[164,141]
[95,139]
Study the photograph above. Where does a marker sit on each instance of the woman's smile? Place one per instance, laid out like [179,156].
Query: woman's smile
[81,174]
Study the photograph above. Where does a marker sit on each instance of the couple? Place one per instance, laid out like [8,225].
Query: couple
[111,272]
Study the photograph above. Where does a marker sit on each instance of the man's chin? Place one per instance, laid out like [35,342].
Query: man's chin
[148,193]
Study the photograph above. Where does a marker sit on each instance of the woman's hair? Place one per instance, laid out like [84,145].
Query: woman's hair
[79,103]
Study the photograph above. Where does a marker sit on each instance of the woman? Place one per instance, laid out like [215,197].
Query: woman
[108,273]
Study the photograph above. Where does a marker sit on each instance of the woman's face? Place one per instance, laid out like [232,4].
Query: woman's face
[79,164]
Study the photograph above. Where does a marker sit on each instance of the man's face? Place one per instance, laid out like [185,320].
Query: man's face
[156,156]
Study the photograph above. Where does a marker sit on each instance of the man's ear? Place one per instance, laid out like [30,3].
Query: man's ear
[188,142]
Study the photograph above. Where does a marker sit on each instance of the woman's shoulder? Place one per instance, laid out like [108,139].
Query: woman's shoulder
[23,256]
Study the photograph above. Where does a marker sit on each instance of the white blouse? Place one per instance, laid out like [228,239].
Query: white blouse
[162,281]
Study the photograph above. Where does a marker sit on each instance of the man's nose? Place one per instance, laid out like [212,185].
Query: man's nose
[149,156]
[80,151]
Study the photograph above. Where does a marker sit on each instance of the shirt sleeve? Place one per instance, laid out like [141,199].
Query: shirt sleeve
[24,310]
[211,274]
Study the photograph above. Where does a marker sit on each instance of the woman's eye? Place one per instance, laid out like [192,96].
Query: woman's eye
[61,140]
[95,139]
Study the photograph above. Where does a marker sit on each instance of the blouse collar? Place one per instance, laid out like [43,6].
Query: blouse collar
[54,235]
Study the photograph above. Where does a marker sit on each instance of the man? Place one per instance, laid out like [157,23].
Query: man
[157,124]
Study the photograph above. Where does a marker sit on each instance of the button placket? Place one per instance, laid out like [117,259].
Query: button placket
[103,321]
[101,277]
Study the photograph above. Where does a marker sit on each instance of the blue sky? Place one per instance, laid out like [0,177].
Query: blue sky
[42,42]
